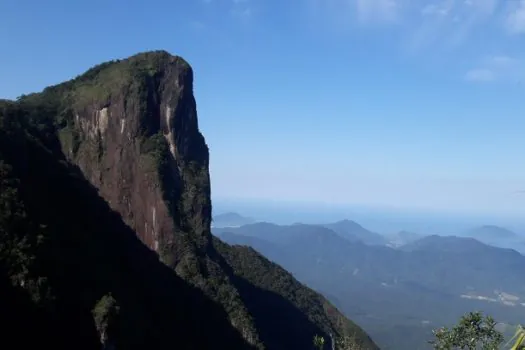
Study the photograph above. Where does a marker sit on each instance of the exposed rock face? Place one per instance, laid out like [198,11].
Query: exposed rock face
[135,136]
[117,144]
[131,128]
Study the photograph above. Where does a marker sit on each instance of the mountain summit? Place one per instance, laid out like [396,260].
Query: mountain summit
[491,232]
[231,219]
[352,231]
[105,226]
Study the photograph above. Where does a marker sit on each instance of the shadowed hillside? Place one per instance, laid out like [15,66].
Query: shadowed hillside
[105,225]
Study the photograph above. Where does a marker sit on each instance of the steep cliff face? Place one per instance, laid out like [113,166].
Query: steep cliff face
[72,273]
[137,140]
[130,129]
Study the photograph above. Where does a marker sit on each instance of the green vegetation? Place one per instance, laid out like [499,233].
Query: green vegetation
[296,308]
[474,331]
[106,314]
[348,343]
[77,276]
[342,343]
[68,263]
[396,295]
[318,342]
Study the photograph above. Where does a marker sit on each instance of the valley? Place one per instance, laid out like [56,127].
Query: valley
[397,294]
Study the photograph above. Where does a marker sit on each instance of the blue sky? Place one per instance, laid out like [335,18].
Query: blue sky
[395,103]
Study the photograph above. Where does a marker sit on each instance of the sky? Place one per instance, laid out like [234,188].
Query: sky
[393,103]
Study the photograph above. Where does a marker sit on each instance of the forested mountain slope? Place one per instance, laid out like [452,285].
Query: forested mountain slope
[105,218]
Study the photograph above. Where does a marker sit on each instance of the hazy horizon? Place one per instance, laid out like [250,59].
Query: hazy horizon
[381,219]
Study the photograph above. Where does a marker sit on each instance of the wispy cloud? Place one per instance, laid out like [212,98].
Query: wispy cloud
[497,68]
[438,9]
[242,9]
[481,75]
[378,10]
[475,13]
[450,22]
[515,20]
[362,11]
[197,25]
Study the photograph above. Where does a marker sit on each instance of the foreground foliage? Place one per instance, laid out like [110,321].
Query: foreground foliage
[341,343]
[476,331]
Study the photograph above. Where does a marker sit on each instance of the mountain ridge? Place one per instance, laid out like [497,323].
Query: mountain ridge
[231,219]
[125,135]
[353,231]
[412,289]
[491,232]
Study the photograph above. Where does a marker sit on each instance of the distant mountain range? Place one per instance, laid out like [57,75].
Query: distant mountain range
[397,294]
[491,232]
[498,236]
[401,238]
[348,229]
[353,232]
[231,219]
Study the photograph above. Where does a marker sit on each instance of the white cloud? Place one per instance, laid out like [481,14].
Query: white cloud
[476,8]
[450,23]
[501,60]
[486,7]
[516,18]
[378,10]
[242,9]
[197,25]
[482,75]
[362,11]
[497,68]
[427,24]
[242,13]
[441,8]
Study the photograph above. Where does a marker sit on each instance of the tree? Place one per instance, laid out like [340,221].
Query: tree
[318,342]
[474,331]
[105,315]
[343,343]
[348,343]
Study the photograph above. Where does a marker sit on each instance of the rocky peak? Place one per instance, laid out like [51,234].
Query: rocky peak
[129,127]
[132,129]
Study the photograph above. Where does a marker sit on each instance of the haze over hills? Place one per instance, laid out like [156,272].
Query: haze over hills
[352,231]
[347,229]
[491,232]
[401,238]
[498,236]
[230,219]
[105,226]
[397,295]
[386,221]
